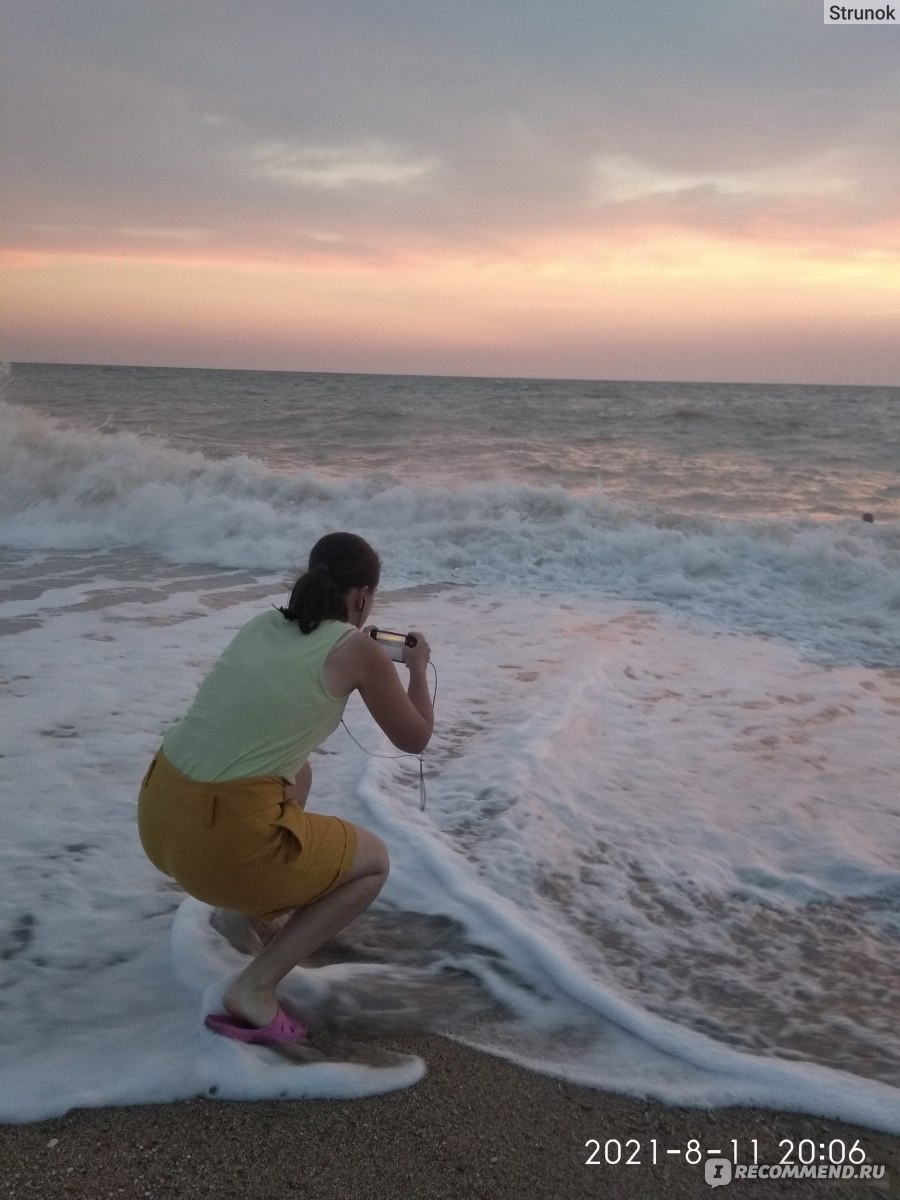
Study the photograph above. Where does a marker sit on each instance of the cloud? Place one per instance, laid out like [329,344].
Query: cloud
[619,178]
[188,234]
[844,196]
[372,163]
[531,143]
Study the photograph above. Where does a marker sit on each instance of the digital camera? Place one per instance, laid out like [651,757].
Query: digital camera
[393,643]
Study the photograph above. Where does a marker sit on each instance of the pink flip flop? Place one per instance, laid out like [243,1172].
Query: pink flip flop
[281,1028]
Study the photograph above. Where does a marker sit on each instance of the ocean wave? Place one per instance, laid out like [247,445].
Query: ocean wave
[832,587]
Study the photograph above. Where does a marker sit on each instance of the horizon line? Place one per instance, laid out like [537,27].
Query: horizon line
[125,366]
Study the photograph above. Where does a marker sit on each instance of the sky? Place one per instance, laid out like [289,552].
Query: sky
[607,189]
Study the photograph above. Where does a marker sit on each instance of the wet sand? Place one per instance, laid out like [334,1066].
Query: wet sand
[476,1127]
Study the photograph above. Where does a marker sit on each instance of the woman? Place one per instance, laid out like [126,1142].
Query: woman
[221,809]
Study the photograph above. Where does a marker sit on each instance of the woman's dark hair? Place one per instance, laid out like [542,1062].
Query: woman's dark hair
[337,563]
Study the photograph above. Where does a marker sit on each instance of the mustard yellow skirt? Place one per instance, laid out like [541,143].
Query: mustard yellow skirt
[240,844]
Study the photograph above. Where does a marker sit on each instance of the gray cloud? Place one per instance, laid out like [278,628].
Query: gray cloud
[335,124]
[371,163]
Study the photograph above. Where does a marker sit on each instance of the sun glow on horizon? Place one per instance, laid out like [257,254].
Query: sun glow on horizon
[625,297]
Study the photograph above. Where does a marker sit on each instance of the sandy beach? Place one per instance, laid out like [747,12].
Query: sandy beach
[475,1127]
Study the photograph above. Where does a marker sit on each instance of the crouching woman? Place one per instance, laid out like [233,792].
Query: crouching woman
[222,807]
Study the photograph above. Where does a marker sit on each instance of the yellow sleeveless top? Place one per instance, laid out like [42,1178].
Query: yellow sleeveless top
[264,706]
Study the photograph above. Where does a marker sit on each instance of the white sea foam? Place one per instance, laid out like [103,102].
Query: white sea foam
[832,588]
[664,844]
[639,822]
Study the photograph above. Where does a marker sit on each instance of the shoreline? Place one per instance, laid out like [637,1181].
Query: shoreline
[475,1127]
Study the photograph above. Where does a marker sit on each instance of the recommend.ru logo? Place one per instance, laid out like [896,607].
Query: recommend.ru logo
[717,1171]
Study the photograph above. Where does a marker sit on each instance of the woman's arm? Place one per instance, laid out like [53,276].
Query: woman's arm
[406,717]
[298,791]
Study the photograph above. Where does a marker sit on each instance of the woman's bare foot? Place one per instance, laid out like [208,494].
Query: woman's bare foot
[257,1006]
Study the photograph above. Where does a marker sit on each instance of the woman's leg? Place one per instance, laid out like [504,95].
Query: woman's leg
[297,793]
[252,995]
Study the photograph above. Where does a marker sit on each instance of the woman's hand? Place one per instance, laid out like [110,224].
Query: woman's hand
[418,656]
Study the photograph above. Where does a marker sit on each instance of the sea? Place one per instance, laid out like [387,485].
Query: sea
[661,836]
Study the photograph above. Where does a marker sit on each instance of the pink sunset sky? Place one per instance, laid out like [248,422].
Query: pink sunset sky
[703,190]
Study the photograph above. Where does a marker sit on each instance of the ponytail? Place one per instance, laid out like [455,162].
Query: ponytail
[337,563]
